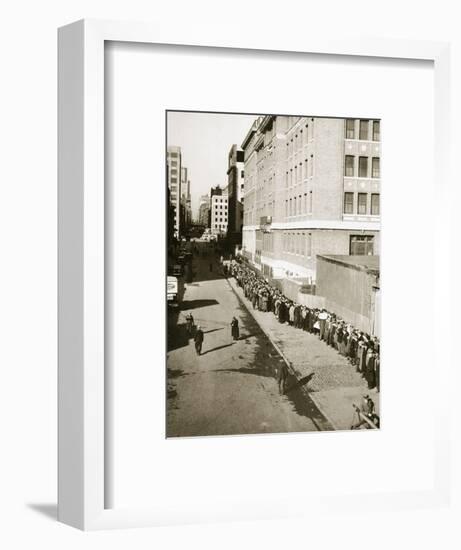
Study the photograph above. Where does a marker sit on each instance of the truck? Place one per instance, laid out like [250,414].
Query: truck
[172,290]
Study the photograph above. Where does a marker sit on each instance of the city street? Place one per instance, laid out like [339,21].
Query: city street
[231,388]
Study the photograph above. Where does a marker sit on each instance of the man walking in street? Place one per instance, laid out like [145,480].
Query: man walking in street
[198,339]
[235,329]
[282,376]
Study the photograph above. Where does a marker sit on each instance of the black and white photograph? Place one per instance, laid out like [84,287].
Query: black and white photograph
[273,273]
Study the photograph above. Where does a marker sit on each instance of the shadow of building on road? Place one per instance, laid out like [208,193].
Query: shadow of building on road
[194,304]
[217,348]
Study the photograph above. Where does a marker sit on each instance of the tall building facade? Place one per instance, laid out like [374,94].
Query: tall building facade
[312,186]
[186,207]
[204,211]
[174,172]
[219,211]
[235,187]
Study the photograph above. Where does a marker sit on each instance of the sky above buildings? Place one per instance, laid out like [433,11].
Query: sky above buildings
[205,140]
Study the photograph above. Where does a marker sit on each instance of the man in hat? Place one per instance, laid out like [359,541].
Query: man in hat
[198,339]
[367,408]
[282,376]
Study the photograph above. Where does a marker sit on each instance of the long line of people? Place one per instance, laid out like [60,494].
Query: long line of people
[360,348]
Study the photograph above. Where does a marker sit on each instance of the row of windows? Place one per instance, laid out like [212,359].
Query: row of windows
[300,244]
[297,243]
[364,129]
[300,138]
[301,171]
[362,206]
[301,204]
[220,219]
[349,167]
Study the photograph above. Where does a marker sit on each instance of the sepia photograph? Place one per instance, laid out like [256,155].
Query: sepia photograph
[273,273]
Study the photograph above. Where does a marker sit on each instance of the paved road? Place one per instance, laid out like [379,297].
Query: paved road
[231,388]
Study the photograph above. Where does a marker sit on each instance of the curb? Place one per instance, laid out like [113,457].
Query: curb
[284,357]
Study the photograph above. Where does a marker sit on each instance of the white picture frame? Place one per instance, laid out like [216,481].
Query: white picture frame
[82,474]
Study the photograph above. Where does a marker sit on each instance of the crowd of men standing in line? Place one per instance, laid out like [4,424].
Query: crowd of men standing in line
[360,348]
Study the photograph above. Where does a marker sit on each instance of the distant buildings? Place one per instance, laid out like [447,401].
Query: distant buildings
[186,208]
[219,211]
[179,187]
[235,186]
[204,211]
[312,186]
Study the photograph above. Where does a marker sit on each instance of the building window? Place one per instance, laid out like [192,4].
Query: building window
[349,166]
[361,245]
[375,167]
[348,203]
[309,245]
[311,166]
[350,128]
[363,133]
[362,203]
[310,202]
[363,167]
[376,130]
[375,204]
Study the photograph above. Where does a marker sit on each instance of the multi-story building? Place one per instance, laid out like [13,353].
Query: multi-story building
[186,208]
[235,187]
[174,172]
[218,211]
[312,186]
[204,211]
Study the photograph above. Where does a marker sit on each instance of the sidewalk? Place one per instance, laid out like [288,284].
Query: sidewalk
[328,377]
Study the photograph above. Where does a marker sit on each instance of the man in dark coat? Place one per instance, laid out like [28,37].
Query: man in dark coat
[198,339]
[282,376]
[235,329]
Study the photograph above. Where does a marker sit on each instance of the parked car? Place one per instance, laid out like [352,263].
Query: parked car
[172,290]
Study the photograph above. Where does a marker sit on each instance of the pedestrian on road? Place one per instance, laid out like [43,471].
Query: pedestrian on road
[282,377]
[235,329]
[190,323]
[198,339]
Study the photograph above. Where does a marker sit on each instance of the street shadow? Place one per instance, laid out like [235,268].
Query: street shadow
[246,336]
[218,348]
[194,304]
[175,373]
[178,336]
[302,382]
[267,372]
[47,510]
[212,330]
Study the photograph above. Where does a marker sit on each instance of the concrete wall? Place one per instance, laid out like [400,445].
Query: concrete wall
[348,292]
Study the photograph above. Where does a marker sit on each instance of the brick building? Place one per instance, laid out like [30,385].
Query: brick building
[235,190]
[312,187]
[218,211]
[174,174]
[204,211]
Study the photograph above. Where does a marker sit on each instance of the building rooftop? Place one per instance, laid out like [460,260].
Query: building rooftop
[367,263]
